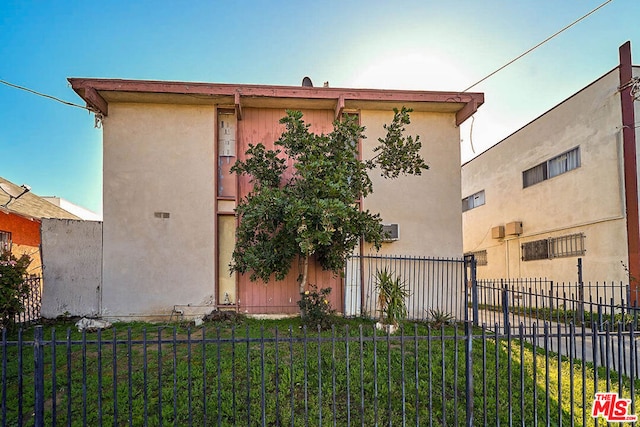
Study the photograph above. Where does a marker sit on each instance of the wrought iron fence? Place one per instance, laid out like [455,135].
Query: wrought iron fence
[501,302]
[32,302]
[434,284]
[346,376]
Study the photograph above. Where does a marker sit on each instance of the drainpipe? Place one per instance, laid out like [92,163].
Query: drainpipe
[630,170]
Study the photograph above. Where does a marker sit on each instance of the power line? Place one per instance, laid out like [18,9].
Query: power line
[538,45]
[44,95]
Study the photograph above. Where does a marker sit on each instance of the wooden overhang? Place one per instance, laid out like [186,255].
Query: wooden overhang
[98,93]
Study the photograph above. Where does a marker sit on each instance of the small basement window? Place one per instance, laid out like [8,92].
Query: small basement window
[538,249]
[567,246]
[554,247]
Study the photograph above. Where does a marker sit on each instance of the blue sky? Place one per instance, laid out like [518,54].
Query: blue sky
[422,45]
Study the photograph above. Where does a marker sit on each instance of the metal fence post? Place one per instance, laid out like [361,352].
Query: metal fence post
[469,372]
[38,376]
[474,290]
[580,293]
[505,308]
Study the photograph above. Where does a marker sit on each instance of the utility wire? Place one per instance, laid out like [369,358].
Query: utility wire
[44,95]
[538,45]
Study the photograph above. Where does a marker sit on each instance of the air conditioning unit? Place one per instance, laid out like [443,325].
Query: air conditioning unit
[514,228]
[497,232]
[391,232]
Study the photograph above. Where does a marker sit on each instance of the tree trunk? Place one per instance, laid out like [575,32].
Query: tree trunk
[305,273]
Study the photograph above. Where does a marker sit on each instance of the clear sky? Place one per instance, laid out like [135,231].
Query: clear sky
[421,45]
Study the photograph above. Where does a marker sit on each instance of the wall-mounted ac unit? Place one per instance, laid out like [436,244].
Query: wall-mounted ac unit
[514,228]
[391,232]
[497,232]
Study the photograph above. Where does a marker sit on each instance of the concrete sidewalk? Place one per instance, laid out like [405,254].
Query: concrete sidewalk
[617,351]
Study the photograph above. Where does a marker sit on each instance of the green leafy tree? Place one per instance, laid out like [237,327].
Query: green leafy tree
[311,210]
[13,286]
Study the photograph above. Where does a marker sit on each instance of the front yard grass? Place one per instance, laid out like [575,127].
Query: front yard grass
[275,372]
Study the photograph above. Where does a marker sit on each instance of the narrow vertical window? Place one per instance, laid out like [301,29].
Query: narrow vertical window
[5,241]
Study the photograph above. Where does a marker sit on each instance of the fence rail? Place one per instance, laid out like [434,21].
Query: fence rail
[497,303]
[347,376]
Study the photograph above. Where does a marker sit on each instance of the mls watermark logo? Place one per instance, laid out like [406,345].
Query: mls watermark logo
[612,408]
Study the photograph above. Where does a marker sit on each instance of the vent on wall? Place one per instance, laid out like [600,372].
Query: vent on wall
[514,228]
[391,232]
[497,232]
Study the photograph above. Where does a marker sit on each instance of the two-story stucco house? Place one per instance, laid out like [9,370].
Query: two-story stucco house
[563,187]
[169,198]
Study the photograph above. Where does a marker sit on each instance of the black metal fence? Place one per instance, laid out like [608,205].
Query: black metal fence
[32,302]
[434,284]
[501,302]
[343,377]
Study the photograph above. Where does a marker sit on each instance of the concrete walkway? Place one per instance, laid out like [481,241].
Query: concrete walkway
[617,351]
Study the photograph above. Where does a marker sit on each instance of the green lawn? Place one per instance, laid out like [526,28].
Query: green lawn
[252,372]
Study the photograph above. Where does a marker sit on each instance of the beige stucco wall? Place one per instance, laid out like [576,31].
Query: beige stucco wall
[588,199]
[72,256]
[158,158]
[426,207]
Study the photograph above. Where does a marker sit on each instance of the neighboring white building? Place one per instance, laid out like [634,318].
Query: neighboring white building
[78,211]
[562,187]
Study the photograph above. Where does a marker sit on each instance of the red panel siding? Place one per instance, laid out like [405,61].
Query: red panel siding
[24,231]
[262,126]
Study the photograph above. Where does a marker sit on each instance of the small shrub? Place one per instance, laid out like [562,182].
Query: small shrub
[392,295]
[438,317]
[13,286]
[315,308]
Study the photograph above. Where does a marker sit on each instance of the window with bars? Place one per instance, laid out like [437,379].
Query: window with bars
[567,246]
[5,241]
[480,257]
[555,247]
[538,249]
[552,167]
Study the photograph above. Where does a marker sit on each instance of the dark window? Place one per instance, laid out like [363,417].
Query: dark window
[534,175]
[538,249]
[5,241]
[554,247]
[552,167]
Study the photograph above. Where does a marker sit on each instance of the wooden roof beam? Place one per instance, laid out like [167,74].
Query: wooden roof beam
[238,105]
[95,102]
[339,107]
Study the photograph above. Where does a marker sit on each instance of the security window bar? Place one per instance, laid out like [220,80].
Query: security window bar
[552,167]
[480,257]
[5,241]
[554,247]
[538,249]
[473,201]
[567,246]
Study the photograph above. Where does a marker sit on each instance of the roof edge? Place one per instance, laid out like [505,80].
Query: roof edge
[88,89]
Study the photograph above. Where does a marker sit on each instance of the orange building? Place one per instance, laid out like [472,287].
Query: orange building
[20,222]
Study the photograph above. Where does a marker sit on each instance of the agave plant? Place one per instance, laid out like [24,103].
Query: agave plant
[392,295]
